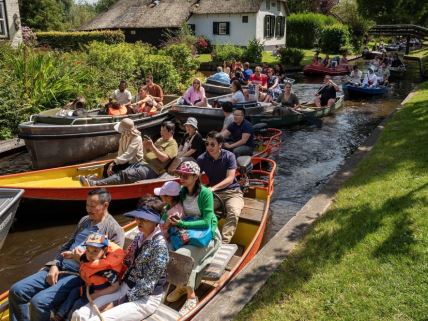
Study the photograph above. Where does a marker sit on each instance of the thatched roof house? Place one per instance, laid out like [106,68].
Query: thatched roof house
[147,20]
[10,22]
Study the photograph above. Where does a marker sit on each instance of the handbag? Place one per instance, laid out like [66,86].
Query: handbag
[193,236]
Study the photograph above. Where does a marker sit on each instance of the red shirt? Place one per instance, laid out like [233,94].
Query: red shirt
[261,80]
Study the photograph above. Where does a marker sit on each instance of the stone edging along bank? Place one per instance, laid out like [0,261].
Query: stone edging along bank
[236,294]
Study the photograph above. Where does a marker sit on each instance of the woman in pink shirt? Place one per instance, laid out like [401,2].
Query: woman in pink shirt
[195,95]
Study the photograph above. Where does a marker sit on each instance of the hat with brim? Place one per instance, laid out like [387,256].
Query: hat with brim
[125,124]
[171,188]
[145,214]
[189,167]
[96,240]
[192,122]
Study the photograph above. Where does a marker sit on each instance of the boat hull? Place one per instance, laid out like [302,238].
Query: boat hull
[9,202]
[319,70]
[293,119]
[397,72]
[359,91]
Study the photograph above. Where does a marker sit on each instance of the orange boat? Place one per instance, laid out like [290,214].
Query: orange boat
[228,261]
[320,70]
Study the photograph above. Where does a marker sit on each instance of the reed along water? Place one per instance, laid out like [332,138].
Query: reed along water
[307,158]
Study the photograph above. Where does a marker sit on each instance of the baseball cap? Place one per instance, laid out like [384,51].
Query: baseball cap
[96,240]
[189,167]
[171,188]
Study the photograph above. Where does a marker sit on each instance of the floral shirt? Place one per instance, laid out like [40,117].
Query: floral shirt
[146,260]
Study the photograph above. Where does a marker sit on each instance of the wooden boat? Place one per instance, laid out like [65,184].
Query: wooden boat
[244,246]
[222,89]
[318,70]
[55,141]
[9,201]
[352,90]
[370,54]
[309,112]
[63,184]
[397,72]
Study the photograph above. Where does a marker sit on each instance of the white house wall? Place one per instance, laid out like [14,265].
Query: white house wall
[14,22]
[240,33]
[276,11]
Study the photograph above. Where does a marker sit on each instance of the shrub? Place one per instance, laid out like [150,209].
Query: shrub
[254,51]
[76,40]
[227,52]
[29,38]
[303,29]
[203,45]
[334,37]
[183,60]
[291,56]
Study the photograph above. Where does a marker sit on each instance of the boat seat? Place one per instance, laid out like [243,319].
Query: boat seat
[164,313]
[252,211]
[219,262]
[243,161]
[259,126]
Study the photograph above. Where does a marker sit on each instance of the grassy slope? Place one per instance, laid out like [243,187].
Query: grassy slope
[367,258]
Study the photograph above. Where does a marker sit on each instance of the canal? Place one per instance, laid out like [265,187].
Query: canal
[307,158]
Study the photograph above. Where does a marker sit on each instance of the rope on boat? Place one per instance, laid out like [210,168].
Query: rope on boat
[91,301]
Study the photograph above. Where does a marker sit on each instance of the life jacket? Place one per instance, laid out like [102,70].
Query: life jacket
[113,261]
[122,110]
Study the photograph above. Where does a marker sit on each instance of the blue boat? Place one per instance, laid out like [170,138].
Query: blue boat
[353,90]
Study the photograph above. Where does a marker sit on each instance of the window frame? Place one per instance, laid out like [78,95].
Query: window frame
[269,26]
[267,4]
[3,20]
[221,25]
[244,19]
[280,26]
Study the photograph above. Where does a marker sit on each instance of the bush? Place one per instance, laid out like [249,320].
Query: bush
[291,56]
[334,37]
[303,29]
[183,60]
[77,40]
[203,45]
[254,51]
[227,52]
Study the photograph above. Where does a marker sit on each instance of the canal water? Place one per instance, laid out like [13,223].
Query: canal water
[307,158]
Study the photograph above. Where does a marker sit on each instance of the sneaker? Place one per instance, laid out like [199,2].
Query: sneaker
[176,294]
[188,306]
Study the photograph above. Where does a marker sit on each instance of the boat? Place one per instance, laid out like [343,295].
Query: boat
[397,72]
[218,88]
[370,54]
[229,260]
[357,91]
[212,118]
[9,202]
[62,183]
[307,113]
[317,69]
[54,141]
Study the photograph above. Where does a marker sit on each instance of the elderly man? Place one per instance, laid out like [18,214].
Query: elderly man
[239,134]
[220,167]
[157,157]
[47,288]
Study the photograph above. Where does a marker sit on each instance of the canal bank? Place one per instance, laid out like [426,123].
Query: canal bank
[365,258]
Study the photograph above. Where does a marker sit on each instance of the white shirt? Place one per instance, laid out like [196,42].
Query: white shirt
[122,97]
[238,97]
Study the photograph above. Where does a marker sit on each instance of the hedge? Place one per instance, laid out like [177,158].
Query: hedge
[77,39]
[303,29]
[334,38]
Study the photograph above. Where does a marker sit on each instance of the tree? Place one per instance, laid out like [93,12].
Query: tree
[104,5]
[43,15]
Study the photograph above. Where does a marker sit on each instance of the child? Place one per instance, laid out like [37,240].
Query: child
[169,194]
[100,268]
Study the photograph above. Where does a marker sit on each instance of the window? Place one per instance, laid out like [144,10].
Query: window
[280,27]
[244,19]
[269,26]
[192,27]
[221,28]
[273,4]
[133,32]
[267,4]
[3,23]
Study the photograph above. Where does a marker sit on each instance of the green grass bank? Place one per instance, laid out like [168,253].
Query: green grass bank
[367,257]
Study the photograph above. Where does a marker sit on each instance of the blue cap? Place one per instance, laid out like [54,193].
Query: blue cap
[145,213]
[96,240]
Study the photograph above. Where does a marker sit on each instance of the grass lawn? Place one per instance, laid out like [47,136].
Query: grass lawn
[419,53]
[367,258]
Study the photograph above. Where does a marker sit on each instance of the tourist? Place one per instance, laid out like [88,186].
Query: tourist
[247,71]
[228,115]
[259,81]
[169,193]
[101,267]
[145,103]
[130,148]
[326,61]
[370,79]
[77,107]
[192,144]
[274,90]
[35,296]
[396,62]
[237,93]
[157,156]
[315,58]
[141,290]
[154,90]
[326,95]
[198,205]
[383,74]
[220,167]
[239,135]
[355,76]
[195,95]
[239,76]
[221,76]
[288,100]
[122,95]
[343,60]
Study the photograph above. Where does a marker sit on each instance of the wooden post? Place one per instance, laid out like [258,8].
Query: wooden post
[408,45]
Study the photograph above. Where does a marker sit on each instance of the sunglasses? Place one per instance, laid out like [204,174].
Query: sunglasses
[196,83]
[209,144]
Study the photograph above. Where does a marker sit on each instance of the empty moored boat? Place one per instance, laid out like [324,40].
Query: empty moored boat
[9,202]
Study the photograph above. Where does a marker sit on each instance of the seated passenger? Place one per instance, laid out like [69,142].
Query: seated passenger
[195,95]
[115,109]
[396,62]
[145,103]
[315,58]
[122,95]
[326,95]
[77,107]
[141,290]
[239,135]
[247,71]
[259,81]
[355,76]
[169,193]
[383,74]
[370,79]
[343,60]
[326,61]
[192,144]
[273,90]
[288,100]
[157,157]
[47,288]
[154,90]
[221,76]
[220,167]
[237,93]
[228,115]
[101,268]
[198,205]
[239,76]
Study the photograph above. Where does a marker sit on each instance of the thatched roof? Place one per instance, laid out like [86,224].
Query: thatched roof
[138,14]
[168,14]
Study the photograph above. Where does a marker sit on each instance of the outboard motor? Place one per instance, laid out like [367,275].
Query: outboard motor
[244,168]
